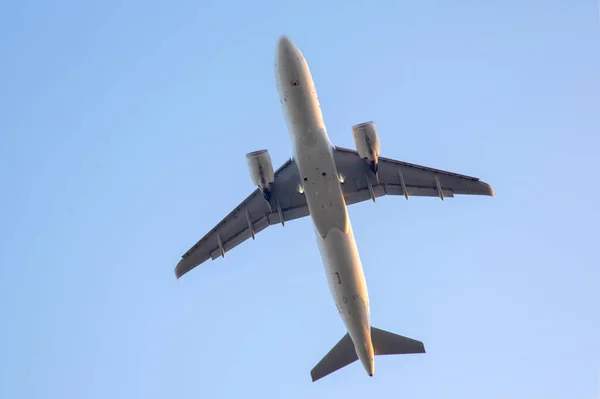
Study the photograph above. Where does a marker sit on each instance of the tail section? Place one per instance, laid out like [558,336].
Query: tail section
[384,343]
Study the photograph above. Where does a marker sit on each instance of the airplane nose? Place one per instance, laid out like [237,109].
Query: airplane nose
[285,46]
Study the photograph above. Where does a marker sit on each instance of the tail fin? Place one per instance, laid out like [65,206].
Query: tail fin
[384,343]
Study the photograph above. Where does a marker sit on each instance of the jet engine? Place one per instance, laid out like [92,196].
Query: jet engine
[261,171]
[367,143]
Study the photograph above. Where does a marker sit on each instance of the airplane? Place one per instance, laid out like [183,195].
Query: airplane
[320,181]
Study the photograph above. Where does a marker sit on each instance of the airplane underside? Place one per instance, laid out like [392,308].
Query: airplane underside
[320,181]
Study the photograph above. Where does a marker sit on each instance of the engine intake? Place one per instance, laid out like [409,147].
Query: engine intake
[261,171]
[366,140]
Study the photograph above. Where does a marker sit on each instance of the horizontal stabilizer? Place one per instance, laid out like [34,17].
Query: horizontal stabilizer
[387,343]
[341,355]
[384,343]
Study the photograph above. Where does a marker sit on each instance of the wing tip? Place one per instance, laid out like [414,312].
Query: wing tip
[490,190]
[180,270]
[315,379]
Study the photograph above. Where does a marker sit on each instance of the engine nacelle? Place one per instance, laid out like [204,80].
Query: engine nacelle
[367,143]
[261,171]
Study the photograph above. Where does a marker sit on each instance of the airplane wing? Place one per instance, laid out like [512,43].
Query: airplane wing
[400,178]
[250,217]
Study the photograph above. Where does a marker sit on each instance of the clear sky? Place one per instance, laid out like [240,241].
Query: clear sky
[123,133]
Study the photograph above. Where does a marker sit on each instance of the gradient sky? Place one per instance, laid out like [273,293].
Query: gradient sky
[123,133]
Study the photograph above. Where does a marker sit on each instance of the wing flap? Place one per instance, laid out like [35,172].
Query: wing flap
[415,191]
[258,226]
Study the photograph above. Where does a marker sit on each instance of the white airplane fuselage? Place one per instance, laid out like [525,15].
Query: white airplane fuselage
[313,154]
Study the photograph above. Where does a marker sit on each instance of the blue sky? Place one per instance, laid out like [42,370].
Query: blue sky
[123,133]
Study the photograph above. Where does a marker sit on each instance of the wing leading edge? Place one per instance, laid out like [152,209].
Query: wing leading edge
[249,218]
